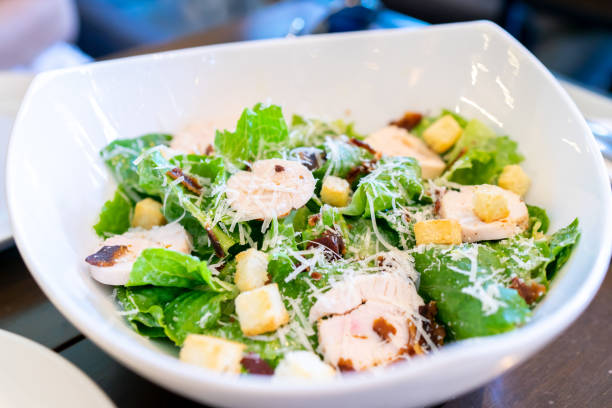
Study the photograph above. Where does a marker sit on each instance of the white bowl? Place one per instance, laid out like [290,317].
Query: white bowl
[57,182]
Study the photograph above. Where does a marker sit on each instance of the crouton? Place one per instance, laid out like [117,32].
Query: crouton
[490,205]
[213,353]
[514,179]
[261,310]
[442,134]
[437,232]
[251,269]
[147,214]
[335,191]
[303,365]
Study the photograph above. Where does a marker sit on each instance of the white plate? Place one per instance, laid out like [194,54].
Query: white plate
[57,182]
[12,88]
[34,376]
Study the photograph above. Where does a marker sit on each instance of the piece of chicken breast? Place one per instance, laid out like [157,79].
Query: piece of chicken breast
[270,190]
[369,321]
[396,141]
[459,205]
[117,270]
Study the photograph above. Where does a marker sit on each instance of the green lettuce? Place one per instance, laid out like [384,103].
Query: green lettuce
[171,312]
[143,307]
[458,279]
[195,213]
[260,133]
[395,181]
[479,156]
[119,157]
[115,216]
[314,132]
[164,267]
[538,220]
[341,157]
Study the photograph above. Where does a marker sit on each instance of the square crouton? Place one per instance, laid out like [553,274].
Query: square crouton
[442,134]
[261,310]
[514,179]
[213,353]
[446,232]
[148,214]
[251,269]
[335,191]
[304,365]
[490,205]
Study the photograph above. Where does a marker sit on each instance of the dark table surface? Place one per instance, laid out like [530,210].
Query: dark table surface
[573,371]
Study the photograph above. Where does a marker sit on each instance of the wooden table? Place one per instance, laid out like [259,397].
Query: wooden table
[573,371]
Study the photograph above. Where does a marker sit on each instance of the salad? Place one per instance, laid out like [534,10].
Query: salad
[308,250]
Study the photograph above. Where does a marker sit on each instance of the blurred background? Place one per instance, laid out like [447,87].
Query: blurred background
[572,37]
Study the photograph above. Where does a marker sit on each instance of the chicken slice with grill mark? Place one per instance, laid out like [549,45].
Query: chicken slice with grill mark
[132,243]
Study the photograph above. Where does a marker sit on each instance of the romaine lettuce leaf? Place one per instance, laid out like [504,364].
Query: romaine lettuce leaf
[340,157]
[484,163]
[164,267]
[561,244]
[475,133]
[314,132]
[193,312]
[115,216]
[196,213]
[471,302]
[143,307]
[261,133]
[538,220]
[120,154]
[395,181]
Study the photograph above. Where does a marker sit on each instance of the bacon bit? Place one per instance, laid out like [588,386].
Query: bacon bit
[345,364]
[364,168]
[363,145]
[408,121]
[411,348]
[209,150]
[214,241]
[316,276]
[437,206]
[314,219]
[107,255]
[531,293]
[381,260]
[309,160]
[278,168]
[332,241]
[382,327]
[189,182]
[256,365]
[436,332]
[407,217]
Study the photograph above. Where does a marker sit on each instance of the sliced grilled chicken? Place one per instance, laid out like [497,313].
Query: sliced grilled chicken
[113,261]
[348,294]
[396,141]
[270,190]
[369,321]
[375,333]
[459,205]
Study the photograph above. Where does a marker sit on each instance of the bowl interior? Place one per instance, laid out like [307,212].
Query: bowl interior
[57,182]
